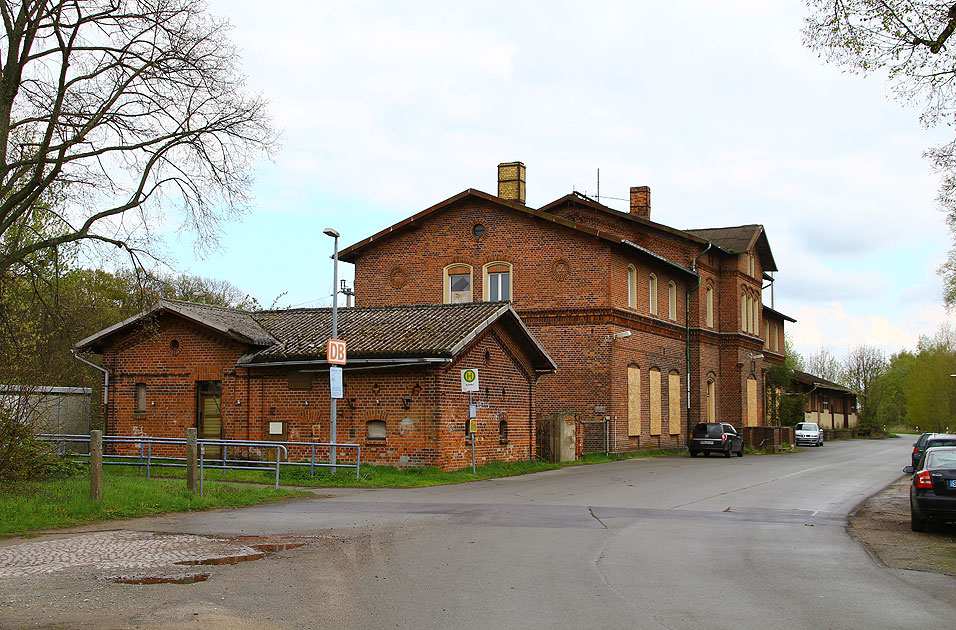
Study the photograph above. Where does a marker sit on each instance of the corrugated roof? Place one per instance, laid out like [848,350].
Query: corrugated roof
[812,379]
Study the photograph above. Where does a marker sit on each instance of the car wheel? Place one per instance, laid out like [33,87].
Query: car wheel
[693,453]
[740,453]
[917,524]
[706,453]
[728,451]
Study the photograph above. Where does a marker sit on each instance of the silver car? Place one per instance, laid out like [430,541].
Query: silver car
[808,433]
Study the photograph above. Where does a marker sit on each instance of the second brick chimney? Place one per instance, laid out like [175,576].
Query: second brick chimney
[641,201]
[511,181]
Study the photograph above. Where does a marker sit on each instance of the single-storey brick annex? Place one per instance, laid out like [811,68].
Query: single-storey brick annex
[264,376]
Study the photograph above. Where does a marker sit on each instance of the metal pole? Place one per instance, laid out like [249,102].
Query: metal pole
[335,335]
[473,437]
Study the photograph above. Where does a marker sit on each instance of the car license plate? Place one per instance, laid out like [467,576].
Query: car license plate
[706,441]
[952,483]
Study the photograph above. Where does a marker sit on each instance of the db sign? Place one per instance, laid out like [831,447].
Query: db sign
[469,380]
[335,351]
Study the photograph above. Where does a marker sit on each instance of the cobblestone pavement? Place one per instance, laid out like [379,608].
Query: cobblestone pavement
[115,551]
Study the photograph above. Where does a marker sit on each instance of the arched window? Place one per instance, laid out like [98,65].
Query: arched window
[457,283]
[710,306]
[631,286]
[672,301]
[502,431]
[755,302]
[376,429]
[673,400]
[652,288]
[496,280]
[744,309]
[633,400]
[655,400]
[711,400]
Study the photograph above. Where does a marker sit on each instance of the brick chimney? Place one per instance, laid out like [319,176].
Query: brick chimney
[641,201]
[511,181]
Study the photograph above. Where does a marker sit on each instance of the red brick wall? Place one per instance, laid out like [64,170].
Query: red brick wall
[423,408]
[571,309]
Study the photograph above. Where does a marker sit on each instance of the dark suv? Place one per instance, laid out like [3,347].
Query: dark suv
[719,437]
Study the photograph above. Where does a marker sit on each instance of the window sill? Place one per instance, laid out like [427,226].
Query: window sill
[376,442]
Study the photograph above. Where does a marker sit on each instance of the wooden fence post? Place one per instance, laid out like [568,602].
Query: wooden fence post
[96,465]
[191,459]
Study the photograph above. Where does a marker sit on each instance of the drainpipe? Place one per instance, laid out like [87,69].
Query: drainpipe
[106,381]
[693,267]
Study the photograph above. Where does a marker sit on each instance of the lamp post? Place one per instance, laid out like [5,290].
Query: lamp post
[335,333]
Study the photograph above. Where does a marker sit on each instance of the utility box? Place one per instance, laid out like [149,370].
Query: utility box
[564,432]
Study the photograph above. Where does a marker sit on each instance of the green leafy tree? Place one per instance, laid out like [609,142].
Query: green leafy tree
[863,369]
[930,391]
[911,42]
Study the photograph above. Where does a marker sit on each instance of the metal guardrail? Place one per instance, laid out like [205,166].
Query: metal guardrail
[146,459]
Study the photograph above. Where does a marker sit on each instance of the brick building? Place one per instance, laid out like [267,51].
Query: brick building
[652,328]
[829,404]
[264,376]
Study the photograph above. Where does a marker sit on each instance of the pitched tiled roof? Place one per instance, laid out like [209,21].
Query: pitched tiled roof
[434,331]
[811,379]
[431,330]
[740,239]
[234,323]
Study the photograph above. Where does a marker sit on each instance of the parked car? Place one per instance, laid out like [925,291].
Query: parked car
[936,439]
[933,489]
[715,437]
[808,433]
[918,447]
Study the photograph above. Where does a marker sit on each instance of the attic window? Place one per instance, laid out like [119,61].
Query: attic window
[174,346]
[478,230]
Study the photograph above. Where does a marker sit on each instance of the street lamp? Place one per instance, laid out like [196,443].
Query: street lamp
[335,335]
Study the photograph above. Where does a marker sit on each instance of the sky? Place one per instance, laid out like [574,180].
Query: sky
[388,108]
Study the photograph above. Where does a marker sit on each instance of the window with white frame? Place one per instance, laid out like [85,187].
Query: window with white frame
[457,284]
[672,301]
[652,287]
[710,307]
[743,312]
[631,286]
[497,282]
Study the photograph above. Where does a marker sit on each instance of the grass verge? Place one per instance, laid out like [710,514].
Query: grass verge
[48,504]
[385,476]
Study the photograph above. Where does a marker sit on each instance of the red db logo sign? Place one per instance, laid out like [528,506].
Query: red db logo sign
[335,351]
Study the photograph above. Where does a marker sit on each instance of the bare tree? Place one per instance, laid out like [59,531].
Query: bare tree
[822,363]
[863,369]
[113,111]
[911,41]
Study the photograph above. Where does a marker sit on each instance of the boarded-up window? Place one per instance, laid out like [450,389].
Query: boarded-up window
[633,400]
[655,400]
[376,429]
[140,396]
[751,420]
[673,399]
[711,401]
[743,312]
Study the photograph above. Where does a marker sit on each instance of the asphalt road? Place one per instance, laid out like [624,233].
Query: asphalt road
[653,543]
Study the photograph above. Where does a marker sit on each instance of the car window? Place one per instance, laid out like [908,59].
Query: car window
[799,426]
[938,442]
[729,429]
[941,459]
